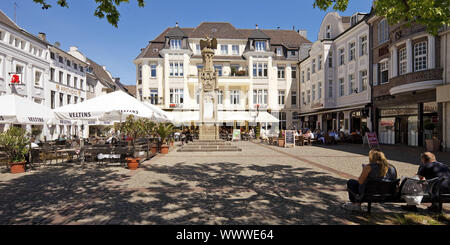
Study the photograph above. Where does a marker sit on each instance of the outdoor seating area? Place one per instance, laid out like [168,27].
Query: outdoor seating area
[307,137]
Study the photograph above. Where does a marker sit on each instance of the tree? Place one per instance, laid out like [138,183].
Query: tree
[433,14]
[104,8]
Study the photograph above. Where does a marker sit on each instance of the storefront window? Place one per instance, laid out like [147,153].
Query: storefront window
[386,130]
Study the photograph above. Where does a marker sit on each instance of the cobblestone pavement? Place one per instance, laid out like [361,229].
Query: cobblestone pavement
[262,184]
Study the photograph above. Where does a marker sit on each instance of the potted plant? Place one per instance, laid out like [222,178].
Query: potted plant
[164,130]
[149,131]
[14,142]
[281,139]
[133,128]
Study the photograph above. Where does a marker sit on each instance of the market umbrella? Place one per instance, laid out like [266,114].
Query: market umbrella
[18,110]
[115,106]
[163,115]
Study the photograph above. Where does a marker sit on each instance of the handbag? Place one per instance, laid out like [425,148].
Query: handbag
[412,190]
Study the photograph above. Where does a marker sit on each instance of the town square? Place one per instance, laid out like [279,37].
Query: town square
[200,116]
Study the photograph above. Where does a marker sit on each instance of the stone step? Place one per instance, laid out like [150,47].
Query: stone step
[207,149]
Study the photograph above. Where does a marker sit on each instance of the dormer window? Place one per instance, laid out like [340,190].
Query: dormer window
[354,19]
[328,33]
[175,44]
[279,52]
[260,45]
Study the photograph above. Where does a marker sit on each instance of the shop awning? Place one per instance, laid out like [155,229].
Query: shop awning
[223,116]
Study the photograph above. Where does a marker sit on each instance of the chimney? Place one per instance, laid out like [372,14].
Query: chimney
[256,27]
[303,33]
[42,36]
[176,24]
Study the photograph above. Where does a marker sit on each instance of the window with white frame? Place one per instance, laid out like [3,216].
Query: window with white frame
[153,96]
[351,51]
[75,82]
[175,43]
[383,31]
[218,69]
[308,74]
[341,86]
[420,56]
[319,90]
[319,63]
[293,71]
[139,71]
[61,99]
[176,68]
[52,99]
[176,96]
[152,70]
[220,97]
[224,48]
[61,77]
[260,69]
[383,72]
[313,66]
[235,97]
[281,72]
[341,56]
[313,92]
[260,45]
[68,63]
[363,80]
[363,45]
[68,79]
[69,98]
[330,59]
[235,49]
[351,84]
[81,84]
[197,48]
[260,97]
[303,76]
[293,97]
[52,73]
[308,96]
[38,78]
[281,97]
[328,32]
[330,88]
[303,98]
[402,62]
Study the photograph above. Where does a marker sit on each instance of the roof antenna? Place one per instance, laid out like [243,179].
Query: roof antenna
[15,6]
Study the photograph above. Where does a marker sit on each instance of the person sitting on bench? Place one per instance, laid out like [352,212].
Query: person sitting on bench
[378,167]
[430,169]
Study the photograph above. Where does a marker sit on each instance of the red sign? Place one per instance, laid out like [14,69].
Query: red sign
[372,139]
[15,78]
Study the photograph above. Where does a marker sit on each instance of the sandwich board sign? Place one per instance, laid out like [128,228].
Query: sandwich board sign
[236,134]
[372,140]
[289,138]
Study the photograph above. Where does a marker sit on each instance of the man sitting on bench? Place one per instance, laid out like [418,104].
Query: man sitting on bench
[430,169]
[378,167]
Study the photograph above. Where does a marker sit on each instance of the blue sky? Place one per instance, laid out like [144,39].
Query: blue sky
[117,47]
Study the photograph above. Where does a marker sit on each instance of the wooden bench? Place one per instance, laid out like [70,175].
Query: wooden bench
[388,191]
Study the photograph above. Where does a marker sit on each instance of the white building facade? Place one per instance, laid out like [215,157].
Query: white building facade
[27,56]
[334,78]
[256,68]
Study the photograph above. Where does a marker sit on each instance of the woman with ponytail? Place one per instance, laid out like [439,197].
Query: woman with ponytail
[378,168]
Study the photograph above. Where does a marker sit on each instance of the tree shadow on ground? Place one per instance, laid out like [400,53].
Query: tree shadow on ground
[201,193]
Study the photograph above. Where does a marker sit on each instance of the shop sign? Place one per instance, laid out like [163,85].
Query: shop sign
[398,112]
[387,122]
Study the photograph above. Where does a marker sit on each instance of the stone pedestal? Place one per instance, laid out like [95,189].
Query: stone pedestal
[208,132]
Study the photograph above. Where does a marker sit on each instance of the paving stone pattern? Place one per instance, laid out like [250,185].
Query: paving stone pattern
[259,185]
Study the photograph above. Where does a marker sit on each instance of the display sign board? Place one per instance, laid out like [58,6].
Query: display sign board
[289,138]
[15,78]
[372,140]
[236,134]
